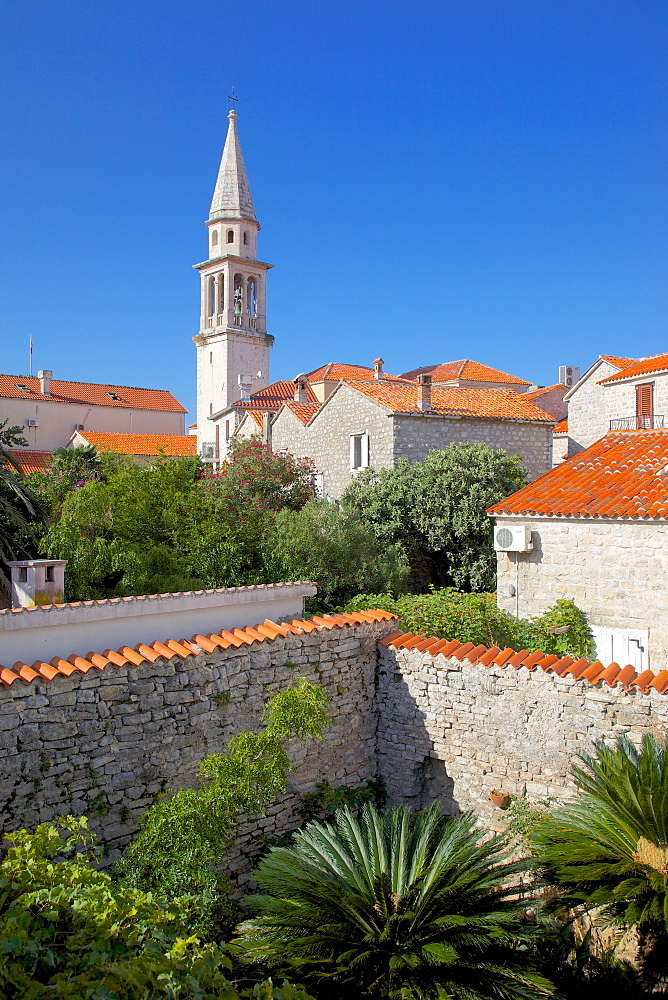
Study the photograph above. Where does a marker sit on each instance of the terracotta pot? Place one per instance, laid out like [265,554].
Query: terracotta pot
[500,800]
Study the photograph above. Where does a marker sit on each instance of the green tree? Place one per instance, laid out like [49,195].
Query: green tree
[183,839]
[437,510]
[608,850]
[395,906]
[69,931]
[333,548]
[20,511]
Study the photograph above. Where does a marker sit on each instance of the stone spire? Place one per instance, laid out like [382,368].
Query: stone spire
[232,197]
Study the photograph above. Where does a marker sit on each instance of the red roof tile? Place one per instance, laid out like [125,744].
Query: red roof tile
[561,427]
[537,393]
[303,411]
[335,372]
[142,444]
[471,371]
[645,366]
[619,362]
[273,396]
[90,394]
[593,673]
[625,474]
[32,461]
[487,404]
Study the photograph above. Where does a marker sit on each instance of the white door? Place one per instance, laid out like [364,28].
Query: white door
[622,646]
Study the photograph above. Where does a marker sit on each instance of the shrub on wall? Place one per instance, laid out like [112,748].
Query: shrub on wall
[449,614]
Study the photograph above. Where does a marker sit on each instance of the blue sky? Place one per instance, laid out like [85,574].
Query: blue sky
[434,180]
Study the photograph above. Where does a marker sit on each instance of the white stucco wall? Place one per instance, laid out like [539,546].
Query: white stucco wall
[41,633]
[615,570]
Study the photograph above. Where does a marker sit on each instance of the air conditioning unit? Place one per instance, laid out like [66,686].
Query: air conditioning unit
[512,539]
[568,375]
[78,427]
[32,422]
[245,381]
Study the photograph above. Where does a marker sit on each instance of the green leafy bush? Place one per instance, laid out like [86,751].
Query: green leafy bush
[437,509]
[449,614]
[330,546]
[68,931]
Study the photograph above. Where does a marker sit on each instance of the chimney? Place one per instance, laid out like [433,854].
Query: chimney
[424,392]
[245,385]
[37,581]
[301,389]
[45,381]
[378,369]
[266,428]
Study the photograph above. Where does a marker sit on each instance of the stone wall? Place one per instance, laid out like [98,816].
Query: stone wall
[455,730]
[107,742]
[613,570]
[417,435]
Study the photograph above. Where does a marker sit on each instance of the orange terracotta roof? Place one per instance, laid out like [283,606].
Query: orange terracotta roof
[256,417]
[150,651]
[646,366]
[274,395]
[561,428]
[304,411]
[565,666]
[32,461]
[336,372]
[625,474]
[142,444]
[472,371]
[619,362]
[89,393]
[537,393]
[489,404]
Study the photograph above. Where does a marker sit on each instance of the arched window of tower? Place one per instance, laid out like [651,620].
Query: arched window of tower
[245,237]
[252,300]
[238,295]
[214,238]
[221,293]
[230,236]
[212,296]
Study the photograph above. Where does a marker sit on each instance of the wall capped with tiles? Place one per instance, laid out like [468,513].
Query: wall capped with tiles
[106,742]
[453,729]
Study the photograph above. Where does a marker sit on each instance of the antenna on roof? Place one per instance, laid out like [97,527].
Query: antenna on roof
[30,347]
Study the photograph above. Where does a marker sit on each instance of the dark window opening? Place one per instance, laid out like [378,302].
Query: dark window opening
[50,574]
[245,237]
[23,574]
[230,236]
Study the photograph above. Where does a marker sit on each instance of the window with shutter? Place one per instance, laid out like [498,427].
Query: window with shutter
[644,406]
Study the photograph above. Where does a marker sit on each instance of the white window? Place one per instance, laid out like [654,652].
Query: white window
[359,451]
[622,646]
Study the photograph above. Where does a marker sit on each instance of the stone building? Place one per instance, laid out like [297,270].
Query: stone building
[599,536]
[50,411]
[374,423]
[617,394]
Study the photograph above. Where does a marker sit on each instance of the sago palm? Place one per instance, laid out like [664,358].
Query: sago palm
[608,851]
[400,905]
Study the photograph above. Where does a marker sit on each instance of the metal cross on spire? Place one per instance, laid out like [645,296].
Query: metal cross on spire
[232,98]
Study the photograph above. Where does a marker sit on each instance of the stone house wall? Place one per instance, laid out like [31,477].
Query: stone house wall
[588,416]
[455,730]
[416,435]
[614,570]
[327,439]
[105,743]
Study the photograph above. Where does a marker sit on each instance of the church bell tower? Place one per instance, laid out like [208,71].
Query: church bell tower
[232,343]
